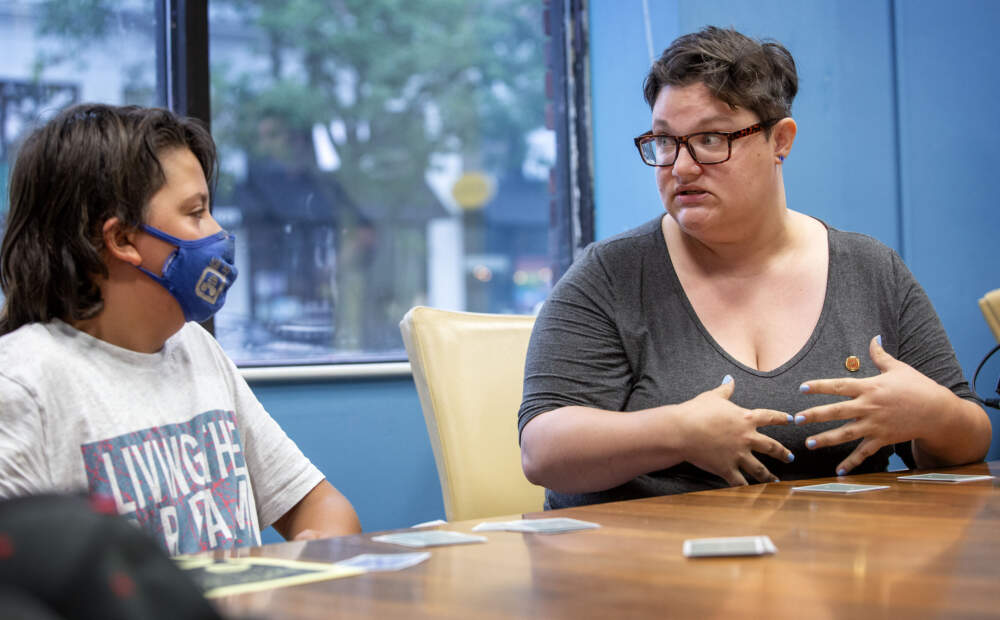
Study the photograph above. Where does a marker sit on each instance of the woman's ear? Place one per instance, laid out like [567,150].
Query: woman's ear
[784,135]
[118,242]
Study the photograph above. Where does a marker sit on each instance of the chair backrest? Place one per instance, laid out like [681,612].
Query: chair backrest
[469,372]
[990,305]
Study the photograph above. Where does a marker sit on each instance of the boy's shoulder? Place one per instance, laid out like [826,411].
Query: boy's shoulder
[55,348]
[196,341]
[28,343]
[32,352]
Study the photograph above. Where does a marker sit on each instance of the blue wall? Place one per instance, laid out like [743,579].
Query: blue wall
[895,140]
[368,437]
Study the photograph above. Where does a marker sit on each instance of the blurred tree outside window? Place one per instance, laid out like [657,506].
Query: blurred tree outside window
[377,154]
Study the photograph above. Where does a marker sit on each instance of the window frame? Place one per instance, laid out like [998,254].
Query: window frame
[571,223]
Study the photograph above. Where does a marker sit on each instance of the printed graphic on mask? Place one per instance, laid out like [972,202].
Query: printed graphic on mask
[186,484]
[213,281]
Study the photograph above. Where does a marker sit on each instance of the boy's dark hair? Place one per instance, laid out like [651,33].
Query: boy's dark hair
[88,164]
[743,72]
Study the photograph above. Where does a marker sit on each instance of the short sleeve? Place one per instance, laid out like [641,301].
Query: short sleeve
[576,355]
[923,343]
[23,469]
[280,474]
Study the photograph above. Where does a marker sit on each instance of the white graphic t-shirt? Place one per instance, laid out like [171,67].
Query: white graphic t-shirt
[175,439]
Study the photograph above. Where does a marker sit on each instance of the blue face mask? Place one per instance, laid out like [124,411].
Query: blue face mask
[198,273]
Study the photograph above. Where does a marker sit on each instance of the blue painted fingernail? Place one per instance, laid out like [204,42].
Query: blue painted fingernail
[810,443]
[790,458]
[804,388]
[727,379]
[841,472]
[800,419]
[878,339]
[791,418]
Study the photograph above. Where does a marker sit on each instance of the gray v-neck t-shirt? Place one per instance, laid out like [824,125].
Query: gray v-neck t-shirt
[618,333]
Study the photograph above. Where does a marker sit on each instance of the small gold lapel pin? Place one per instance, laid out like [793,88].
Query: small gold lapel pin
[852,363]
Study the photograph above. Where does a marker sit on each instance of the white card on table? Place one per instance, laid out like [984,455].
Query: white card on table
[944,477]
[429,538]
[434,523]
[840,487]
[371,562]
[553,525]
[733,546]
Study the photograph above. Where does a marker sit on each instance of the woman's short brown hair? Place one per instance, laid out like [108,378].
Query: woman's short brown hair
[742,72]
[91,162]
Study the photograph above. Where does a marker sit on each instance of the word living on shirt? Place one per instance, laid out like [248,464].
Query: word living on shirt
[186,484]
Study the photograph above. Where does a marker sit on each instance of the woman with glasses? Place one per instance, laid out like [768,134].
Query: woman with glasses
[732,339]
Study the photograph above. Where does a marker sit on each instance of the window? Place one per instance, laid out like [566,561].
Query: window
[60,53]
[377,155]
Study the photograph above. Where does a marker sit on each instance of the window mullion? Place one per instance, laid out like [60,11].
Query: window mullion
[572,208]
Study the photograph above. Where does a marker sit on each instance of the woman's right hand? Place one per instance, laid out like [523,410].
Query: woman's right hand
[721,437]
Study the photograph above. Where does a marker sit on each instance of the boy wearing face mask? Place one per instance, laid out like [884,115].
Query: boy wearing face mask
[107,385]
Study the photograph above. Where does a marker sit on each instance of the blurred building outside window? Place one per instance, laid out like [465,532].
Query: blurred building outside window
[49,63]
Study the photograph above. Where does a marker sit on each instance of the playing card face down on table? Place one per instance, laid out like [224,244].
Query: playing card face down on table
[732,546]
[555,525]
[431,538]
[840,487]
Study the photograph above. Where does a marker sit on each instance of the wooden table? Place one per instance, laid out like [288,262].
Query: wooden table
[912,551]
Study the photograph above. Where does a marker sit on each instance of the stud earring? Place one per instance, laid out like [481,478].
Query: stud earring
[781,158]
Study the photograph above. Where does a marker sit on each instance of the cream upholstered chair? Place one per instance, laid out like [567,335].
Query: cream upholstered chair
[990,306]
[469,370]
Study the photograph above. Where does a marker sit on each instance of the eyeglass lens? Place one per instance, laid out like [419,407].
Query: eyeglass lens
[709,148]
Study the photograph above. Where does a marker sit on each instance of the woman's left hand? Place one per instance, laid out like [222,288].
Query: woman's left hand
[899,404]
